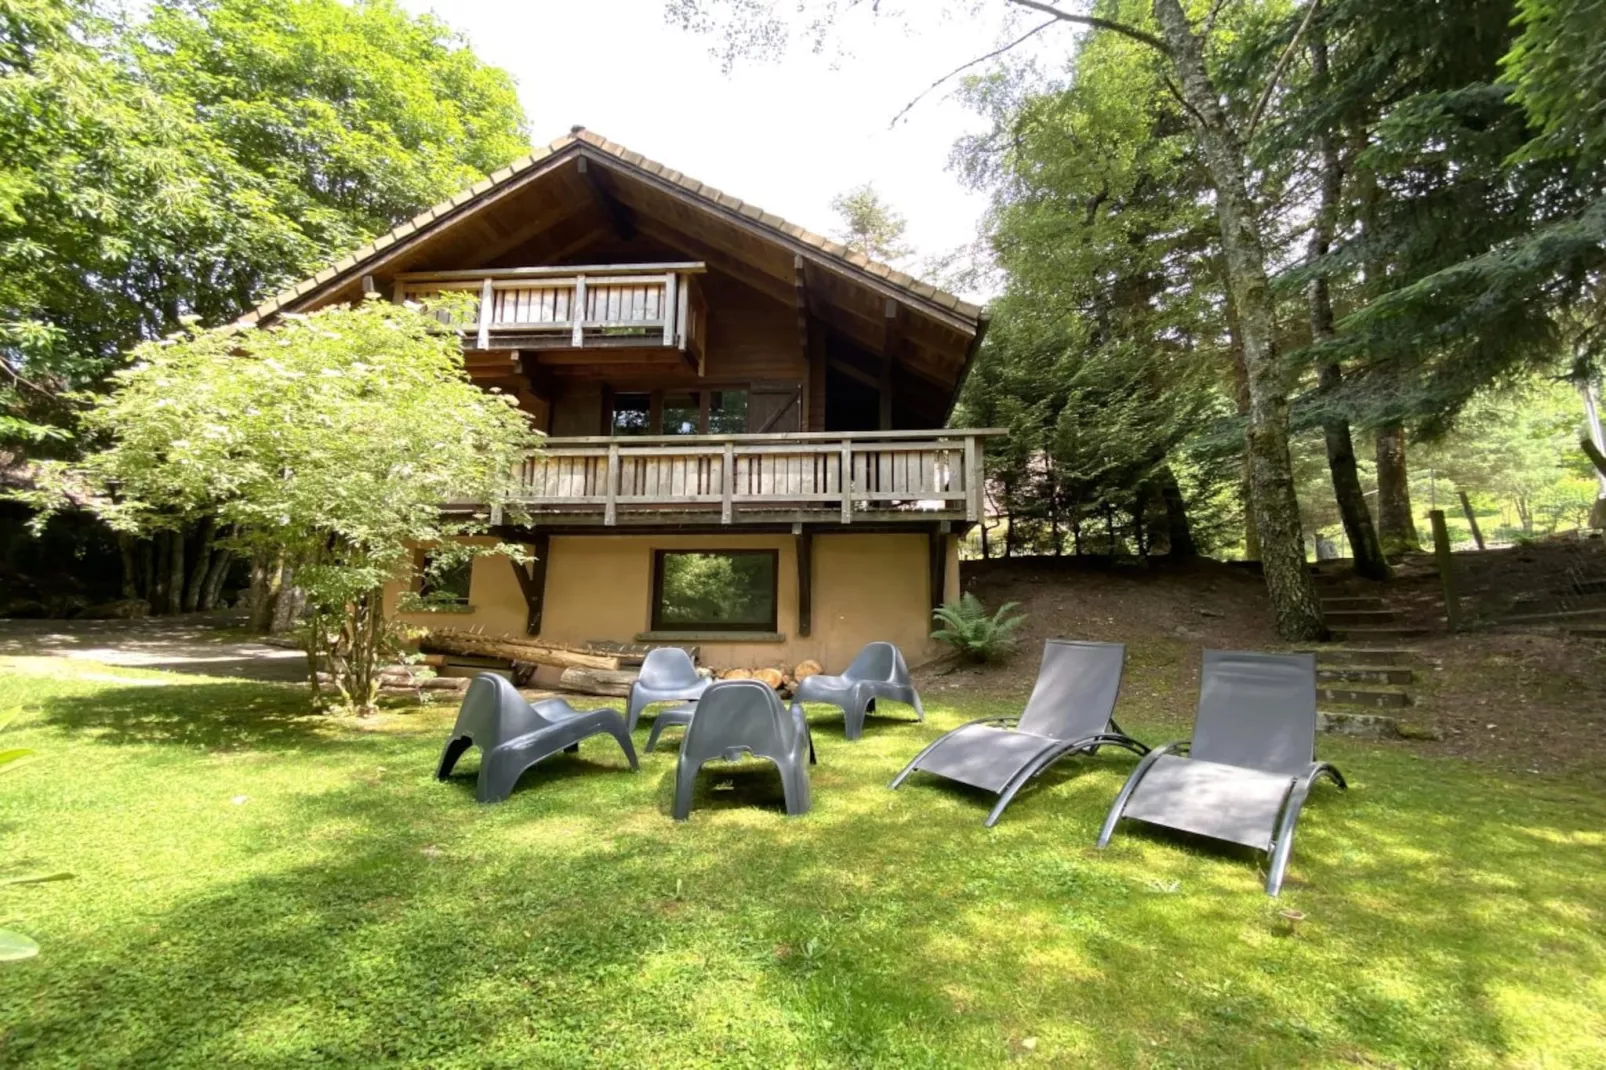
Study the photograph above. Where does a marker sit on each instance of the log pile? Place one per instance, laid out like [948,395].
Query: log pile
[784,679]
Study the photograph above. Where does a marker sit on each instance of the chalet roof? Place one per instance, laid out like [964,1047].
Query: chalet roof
[836,258]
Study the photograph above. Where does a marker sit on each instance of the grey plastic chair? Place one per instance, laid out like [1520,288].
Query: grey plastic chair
[513,735]
[1069,713]
[1249,766]
[879,671]
[667,675]
[737,718]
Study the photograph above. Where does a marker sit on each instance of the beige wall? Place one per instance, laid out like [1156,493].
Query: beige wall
[866,587]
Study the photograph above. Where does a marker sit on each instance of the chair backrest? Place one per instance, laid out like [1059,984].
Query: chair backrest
[1257,711]
[494,711]
[881,662]
[738,713]
[666,667]
[1076,688]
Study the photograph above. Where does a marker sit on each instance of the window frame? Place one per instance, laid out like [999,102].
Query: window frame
[656,623]
[420,566]
[655,410]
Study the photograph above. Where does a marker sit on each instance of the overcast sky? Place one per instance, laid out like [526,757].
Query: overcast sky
[786,136]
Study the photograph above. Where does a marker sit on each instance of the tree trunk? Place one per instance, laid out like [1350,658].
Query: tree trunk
[157,591]
[217,573]
[267,583]
[1395,519]
[1282,542]
[1240,396]
[125,548]
[1179,533]
[1365,549]
[175,575]
[203,563]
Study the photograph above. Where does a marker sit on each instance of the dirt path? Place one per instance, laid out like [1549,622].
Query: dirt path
[202,644]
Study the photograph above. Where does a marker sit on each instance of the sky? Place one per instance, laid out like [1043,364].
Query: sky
[786,135]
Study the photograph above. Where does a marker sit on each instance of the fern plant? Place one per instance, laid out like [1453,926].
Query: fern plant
[975,634]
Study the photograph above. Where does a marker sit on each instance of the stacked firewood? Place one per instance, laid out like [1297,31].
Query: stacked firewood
[784,680]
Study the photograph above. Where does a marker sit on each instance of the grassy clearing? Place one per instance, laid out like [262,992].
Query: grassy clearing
[259,887]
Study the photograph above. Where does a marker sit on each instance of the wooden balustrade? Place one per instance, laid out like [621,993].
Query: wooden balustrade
[634,304]
[820,477]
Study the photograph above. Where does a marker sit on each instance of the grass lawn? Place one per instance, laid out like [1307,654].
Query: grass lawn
[257,887]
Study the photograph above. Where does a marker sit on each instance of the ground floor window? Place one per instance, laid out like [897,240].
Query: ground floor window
[442,582]
[714,590]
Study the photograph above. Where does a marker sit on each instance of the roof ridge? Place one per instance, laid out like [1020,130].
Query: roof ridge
[581,135]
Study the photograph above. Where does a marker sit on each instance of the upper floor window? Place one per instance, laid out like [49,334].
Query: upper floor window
[632,414]
[680,412]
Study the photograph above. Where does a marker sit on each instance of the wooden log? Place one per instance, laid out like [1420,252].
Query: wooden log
[611,682]
[476,644]
[736,674]
[773,677]
[806,669]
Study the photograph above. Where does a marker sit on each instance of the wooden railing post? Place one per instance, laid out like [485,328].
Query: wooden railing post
[667,300]
[1472,519]
[973,478]
[727,484]
[487,297]
[610,515]
[578,312]
[847,481]
[1446,563]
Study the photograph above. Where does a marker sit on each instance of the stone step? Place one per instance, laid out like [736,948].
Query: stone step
[1363,657]
[1365,675]
[1364,696]
[1360,634]
[1352,601]
[1361,616]
[1554,616]
[1365,725]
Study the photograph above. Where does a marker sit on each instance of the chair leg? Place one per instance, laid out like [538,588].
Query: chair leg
[920,711]
[453,751]
[652,737]
[685,783]
[853,720]
[795,787]
[621,735]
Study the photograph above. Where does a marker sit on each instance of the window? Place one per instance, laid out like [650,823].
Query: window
[683,414]
[441,584]
[727,412]
[632,414]
[714,590]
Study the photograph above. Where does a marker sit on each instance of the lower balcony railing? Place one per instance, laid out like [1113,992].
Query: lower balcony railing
[734,479]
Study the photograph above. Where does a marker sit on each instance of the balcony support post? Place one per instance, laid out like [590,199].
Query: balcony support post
[578,312]
[939,563]
[670,303]
[803,540]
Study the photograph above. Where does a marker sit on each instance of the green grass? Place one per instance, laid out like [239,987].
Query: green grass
[257,887]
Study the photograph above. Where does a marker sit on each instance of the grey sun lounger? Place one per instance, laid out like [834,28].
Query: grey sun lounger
[1249,766]
[878,671]
[667,675]
[1069,713]
[513,735]
[745,718]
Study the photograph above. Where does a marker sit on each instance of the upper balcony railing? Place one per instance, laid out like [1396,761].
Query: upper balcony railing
[544,307]
[870,476]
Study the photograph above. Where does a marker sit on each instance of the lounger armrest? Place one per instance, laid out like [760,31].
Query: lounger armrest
[1329,770]
[1144,765]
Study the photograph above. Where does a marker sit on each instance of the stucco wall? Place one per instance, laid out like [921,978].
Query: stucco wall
[866,587]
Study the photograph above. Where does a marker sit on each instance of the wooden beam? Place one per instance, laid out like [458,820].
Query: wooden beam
[939,563]
[800,284]
[855,373]
[889,339]
[532,582]
[803,540]
[619,217]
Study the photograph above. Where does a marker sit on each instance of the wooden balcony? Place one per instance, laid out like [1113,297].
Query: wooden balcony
[612,306]
[863,477]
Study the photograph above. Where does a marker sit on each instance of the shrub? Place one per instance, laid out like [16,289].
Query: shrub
[973,633]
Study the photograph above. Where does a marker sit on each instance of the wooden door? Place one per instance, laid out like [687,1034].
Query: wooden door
[774,408]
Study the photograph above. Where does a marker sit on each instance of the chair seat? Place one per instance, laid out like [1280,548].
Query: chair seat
[983,756]
[1226,802]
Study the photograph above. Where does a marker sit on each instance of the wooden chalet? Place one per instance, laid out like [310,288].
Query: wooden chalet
[747,445]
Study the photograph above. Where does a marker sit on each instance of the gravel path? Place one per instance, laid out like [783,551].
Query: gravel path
[210,644]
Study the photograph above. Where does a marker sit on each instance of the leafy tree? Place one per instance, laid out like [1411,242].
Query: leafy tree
[324,442]
[869,225]
[190,162]
[1221,131]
